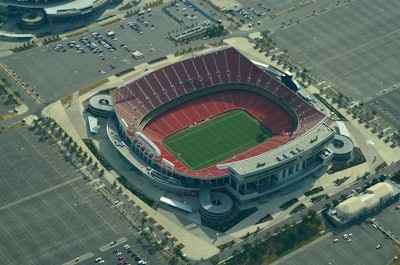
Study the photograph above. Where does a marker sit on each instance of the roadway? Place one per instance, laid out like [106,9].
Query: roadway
[316,207]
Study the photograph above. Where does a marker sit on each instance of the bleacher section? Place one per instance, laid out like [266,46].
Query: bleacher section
[135,100]
[206,107]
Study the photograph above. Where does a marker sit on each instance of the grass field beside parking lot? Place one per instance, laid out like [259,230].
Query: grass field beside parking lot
[216,140]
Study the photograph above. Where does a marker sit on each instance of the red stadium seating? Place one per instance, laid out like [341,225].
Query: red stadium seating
[232,60]
[135,100]
[244,68]
[212,69]
[182,71]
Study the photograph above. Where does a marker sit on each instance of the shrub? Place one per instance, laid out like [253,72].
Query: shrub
[313,191]
[298,208]
[289,203]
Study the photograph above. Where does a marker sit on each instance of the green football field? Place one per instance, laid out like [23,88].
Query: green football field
[213,141]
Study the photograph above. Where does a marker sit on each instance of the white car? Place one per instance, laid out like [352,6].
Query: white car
[126,246]
[335,240]
[378,246]
[98,259]
[102,261]
[119,254]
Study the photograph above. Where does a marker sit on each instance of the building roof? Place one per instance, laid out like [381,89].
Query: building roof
[93,124]
[180,205]
[382,190]
[287,152]
[370,199]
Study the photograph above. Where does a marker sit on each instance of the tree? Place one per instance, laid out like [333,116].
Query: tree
[214,261]
[254,255]
[235,252]
[247,246]
[173,261]
[312,214]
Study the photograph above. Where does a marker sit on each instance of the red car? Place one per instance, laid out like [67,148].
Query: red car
[115,250]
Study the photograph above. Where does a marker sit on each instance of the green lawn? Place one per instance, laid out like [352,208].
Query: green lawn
[215,140]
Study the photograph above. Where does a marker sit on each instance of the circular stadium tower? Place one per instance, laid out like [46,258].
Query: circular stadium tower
[218,120]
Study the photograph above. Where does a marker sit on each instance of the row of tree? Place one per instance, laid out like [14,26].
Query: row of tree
[284,240]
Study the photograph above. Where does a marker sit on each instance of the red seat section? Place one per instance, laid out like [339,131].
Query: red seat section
[212,70]
[232,61]
[225,66]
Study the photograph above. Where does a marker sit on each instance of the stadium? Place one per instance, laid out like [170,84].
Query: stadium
[217,123]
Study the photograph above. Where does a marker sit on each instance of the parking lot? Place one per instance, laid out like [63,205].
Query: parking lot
[50,215]
[362,249]
[353,46]
[386,105]
[55,72]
